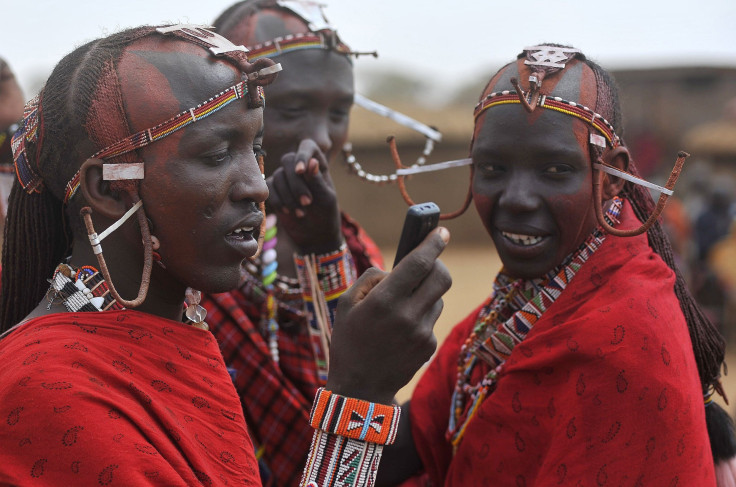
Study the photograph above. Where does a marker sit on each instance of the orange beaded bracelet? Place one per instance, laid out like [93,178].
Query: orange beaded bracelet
[355,418]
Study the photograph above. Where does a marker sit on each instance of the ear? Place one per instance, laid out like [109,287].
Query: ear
[97,192]
[618,158]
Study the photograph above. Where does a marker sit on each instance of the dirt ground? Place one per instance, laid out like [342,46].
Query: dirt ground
[473,269]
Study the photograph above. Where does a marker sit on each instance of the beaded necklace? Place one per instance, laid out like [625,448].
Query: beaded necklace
[268,273]
[85,289]
[504,321]
[82,289]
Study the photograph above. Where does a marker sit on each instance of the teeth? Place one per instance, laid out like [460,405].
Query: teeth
[522,239]
[243,229]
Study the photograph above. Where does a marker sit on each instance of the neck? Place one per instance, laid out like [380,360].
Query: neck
[165,295]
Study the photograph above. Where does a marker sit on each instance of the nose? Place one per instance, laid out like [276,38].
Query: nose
[319,132]
[519,194]
[249,183]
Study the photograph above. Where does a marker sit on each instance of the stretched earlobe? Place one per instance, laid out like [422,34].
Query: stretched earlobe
[97,191]
[618,158]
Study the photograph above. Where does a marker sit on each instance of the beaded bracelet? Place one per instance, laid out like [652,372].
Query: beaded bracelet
[336,461]
[355,418]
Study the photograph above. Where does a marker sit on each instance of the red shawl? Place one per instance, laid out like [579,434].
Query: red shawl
[278,399]
[604,391]
[119,398]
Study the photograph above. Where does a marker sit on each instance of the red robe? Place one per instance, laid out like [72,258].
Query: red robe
[119,398]
[604,391]
[277,401]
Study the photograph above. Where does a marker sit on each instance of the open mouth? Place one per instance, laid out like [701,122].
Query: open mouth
[523,240]
[242,233]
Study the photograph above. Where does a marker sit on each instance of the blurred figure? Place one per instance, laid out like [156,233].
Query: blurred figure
[11,111]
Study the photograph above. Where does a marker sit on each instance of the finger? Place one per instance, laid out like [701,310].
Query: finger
[415,267]
[296,180]
[281,188]
[434,286]
[362,286]
[310,158]
[274,201]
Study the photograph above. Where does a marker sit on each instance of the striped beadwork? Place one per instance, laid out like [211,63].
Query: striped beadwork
[26,133]
[557,104]
[292,42]
[336,461]
[177,122]
[336,272]
[354,418]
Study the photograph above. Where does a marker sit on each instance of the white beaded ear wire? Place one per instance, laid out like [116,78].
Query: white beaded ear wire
[431,134]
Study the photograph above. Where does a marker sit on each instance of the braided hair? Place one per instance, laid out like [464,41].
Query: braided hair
[707,342]
[39,228]
[79,112]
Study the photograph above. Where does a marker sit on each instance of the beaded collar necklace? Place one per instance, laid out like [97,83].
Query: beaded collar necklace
[504,322]
[85,289]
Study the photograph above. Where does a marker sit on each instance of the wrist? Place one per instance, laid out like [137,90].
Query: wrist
[355,418]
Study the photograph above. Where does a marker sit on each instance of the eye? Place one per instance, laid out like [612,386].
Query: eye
[558,169]
[490,168]
[291,111]
[339,114]
[219,157]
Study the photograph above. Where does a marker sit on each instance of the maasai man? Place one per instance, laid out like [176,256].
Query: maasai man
[589,362]
[161,124]
[265,323]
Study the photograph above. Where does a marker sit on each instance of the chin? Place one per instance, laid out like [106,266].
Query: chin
[224,282]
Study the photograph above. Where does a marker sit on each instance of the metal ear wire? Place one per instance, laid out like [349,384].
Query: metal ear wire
[147,252]
[405,194]
[598,198]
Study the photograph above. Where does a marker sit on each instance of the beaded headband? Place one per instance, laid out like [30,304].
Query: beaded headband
[563,106]
[321,35]
[164,129]
[218,45]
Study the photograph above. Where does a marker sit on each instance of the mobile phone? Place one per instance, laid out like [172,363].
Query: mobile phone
[420,220]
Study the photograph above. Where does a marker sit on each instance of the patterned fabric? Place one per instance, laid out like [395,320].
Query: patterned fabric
[119,398]
[278,399]
[506,319]
[355,418]
[603,391]
[336,461]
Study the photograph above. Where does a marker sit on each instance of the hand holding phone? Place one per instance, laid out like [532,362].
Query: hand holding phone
[420,219]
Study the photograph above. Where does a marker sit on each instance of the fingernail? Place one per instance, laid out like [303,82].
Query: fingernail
[300,167]
[314,166]
[285,210]
[305,200]
[299,213]
[444,234]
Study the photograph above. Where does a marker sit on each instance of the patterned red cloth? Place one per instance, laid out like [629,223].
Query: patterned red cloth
[277,399]
[604,391]
[119,398]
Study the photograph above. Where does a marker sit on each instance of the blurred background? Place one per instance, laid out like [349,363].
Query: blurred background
[675,62]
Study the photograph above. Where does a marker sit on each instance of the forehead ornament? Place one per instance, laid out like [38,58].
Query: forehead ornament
[216,43]
[543,60]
